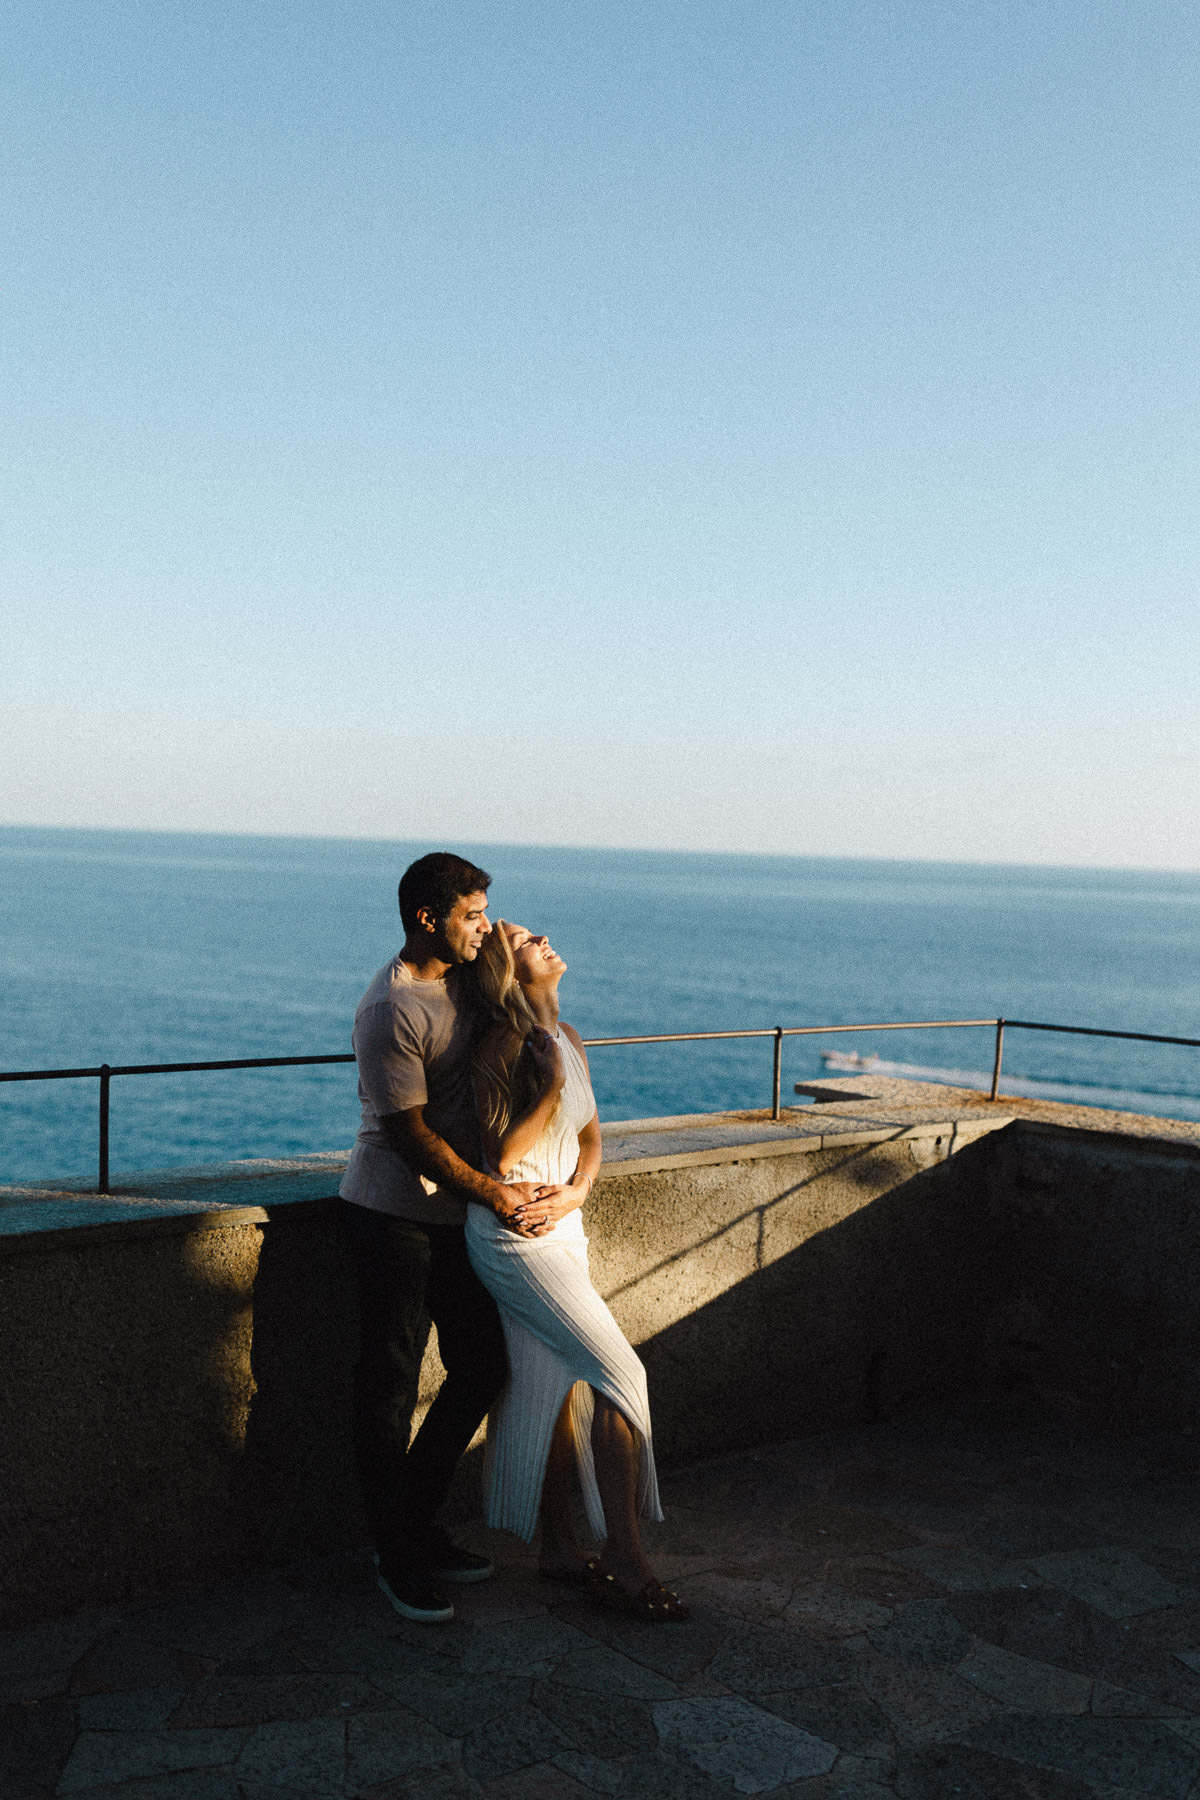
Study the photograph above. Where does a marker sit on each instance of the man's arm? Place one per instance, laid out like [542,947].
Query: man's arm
[428,1154]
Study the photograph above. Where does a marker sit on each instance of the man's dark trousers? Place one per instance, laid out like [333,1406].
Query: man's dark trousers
[408,1273]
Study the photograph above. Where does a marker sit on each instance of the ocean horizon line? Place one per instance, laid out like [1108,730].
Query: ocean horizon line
[423,844]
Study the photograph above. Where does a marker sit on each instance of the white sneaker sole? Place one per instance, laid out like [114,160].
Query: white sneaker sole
[420,1615]
[463,1577]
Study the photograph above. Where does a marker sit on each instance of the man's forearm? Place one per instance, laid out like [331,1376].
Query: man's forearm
[428,1154]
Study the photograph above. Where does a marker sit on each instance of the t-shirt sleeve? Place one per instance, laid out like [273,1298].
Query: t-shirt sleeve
[390,1049]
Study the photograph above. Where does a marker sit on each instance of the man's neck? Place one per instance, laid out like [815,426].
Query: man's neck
[421,964]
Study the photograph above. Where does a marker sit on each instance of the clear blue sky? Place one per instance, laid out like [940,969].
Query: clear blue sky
[762,426]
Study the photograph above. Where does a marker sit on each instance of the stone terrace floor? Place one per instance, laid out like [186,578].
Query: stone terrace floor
[929,1609]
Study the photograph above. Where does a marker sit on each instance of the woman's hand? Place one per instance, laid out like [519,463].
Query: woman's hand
[550,1204]
[518,1211]
[547,1060]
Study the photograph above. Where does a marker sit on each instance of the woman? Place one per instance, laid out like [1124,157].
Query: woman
[577,1391]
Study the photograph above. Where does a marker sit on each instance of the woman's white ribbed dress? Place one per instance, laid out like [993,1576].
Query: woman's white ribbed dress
[561,1337]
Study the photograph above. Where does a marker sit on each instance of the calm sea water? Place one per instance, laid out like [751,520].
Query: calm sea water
[148,947]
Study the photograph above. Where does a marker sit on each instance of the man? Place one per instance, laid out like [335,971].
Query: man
[408,1184]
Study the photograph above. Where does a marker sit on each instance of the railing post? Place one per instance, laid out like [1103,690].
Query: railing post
[778,1072]
[999,1059]
[105,1078]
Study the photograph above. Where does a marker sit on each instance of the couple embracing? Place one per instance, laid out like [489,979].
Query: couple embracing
[478,1147]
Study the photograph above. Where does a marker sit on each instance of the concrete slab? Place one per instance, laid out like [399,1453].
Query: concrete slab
[966,1569]
[954,1771]
[192,1784]
[924,1701]
[102,1758]
[388,1745]
[607,1726]
[1112,1580]
[599,1670]
[852,1778]
[305,1755]
[924,1632]
[834,1607]
[145,1709]
[755,1659]
[994,1691]
[1141,1755]
[249,1186]
[512,1742]
[841,1714]
[58,1644]
[1026,1686]
[592,1772]
[736,1742]
[529,1647]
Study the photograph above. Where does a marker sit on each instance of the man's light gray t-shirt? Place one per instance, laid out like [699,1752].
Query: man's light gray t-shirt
[412,1041]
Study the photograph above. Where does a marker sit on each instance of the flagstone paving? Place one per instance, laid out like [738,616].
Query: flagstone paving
[934,1609]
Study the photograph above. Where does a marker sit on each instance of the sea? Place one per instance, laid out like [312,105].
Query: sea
[131,947]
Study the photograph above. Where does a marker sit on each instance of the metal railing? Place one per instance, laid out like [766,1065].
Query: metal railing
[105,1071]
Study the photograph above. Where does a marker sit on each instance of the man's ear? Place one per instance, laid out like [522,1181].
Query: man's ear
[428,920]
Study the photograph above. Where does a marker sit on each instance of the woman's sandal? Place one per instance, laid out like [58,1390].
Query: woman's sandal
[654,1603]
[579,1577]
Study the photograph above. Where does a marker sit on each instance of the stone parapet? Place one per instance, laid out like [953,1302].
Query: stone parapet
[177,1354]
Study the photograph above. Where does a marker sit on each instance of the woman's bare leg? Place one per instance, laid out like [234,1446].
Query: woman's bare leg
[559,1554]
[617,1457]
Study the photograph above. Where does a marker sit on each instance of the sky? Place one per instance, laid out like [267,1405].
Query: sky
[760,427]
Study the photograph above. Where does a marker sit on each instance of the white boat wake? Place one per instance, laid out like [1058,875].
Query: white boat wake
[1022,1087]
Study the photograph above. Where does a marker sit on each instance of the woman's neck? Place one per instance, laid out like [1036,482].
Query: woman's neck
[543,1004]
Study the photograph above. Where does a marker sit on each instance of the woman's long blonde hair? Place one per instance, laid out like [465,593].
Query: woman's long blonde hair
[508,1082]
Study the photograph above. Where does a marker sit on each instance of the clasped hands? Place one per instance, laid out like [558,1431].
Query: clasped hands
[532,1211]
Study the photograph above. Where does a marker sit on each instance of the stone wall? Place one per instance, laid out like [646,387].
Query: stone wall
[1093,1310]
[176,1389]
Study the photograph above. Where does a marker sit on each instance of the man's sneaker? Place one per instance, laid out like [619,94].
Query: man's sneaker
[413,1595]
[449,1563]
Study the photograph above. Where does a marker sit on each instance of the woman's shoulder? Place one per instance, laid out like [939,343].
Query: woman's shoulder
[570,1032]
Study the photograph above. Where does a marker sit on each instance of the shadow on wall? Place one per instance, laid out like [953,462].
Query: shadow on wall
[872,1313]
[294,1485]
[123,1410]
[1043,1270]
[1098,1237]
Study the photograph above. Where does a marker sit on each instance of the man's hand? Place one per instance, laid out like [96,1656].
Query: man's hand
[518,1210]
[515,1204]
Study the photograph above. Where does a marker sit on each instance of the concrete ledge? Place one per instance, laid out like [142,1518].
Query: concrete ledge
[205,1197]
[177,1355]
[869,1110]
[183,1199]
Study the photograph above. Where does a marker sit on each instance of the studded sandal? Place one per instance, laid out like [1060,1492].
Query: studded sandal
[654,1603]
[580,1577]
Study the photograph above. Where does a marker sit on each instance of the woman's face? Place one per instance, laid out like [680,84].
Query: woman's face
[534,959]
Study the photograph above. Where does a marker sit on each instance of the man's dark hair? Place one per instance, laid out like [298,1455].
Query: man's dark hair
[434,883]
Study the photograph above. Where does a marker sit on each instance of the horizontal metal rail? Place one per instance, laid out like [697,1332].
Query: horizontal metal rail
[104,1072]
[1145,1037]
[236,1062]
[689,1037]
